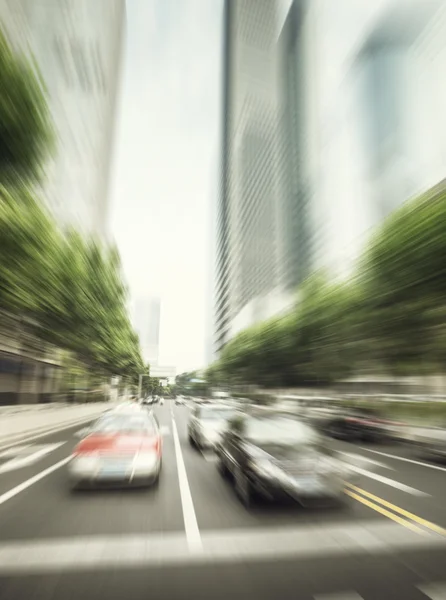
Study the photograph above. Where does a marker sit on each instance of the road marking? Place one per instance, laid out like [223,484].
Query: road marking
[409,460]
[391,482]
[32,480]
[57,429]
[13,451]
[190,520]
[341,596]
[434,591]
[166,549]
[385,512]
[25,461]
[423,522]
[365,459]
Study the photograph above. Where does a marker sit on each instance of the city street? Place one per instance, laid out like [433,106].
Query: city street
[189,537]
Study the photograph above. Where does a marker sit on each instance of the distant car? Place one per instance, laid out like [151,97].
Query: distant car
[179,401]
[269,455]
[362,424]
[206,423]
[122,447]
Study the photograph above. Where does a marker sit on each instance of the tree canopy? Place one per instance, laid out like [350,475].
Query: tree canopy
[26,131]
[68,286]
[389,317]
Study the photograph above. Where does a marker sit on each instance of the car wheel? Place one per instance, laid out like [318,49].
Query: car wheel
[243,488]
[221,467]
[191,440]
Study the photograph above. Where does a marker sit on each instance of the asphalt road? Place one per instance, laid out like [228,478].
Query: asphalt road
[190,538]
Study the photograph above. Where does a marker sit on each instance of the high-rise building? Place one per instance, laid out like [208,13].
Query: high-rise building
[332,118]
[357,89]
[147,315]
[250,277]
[77,46]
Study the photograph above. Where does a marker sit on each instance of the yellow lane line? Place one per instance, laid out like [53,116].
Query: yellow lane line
[385,512]
[397,509]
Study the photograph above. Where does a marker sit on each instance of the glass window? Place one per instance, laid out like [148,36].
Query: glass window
[134,423]
[216,414]
[279,429]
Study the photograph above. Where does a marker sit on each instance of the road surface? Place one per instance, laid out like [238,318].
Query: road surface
[191,538]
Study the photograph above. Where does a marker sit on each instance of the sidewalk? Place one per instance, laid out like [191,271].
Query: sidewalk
[18,426]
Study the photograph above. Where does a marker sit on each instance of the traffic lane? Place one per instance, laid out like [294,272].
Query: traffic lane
[217,506]
[371,577]
[50,509]
[414,486]
[67,440]
[415,469]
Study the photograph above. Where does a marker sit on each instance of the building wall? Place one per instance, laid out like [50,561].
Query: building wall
[147,325]
[249,258]
[77,45]
[360,154]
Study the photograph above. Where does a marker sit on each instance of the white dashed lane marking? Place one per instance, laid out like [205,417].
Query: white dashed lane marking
[24,456]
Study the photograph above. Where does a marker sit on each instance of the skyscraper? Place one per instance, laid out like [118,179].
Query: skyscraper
[77,46]
[147,325]
[250,278]
[355,88]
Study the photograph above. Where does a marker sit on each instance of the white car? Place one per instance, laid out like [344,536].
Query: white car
[206,423]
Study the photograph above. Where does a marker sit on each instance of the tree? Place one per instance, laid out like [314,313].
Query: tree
[404,275]
[26,132]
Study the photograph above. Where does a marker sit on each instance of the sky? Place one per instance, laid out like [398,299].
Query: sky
[164,176]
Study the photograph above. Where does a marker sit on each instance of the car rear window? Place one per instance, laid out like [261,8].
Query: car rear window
[215,414]
[278,429]
[120,423]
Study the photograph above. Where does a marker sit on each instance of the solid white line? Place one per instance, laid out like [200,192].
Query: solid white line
[190,520]
[391,482]
[32,480]
[25,461]
[409,460]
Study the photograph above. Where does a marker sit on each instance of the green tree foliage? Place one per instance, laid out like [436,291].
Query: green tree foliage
[71,288]
[26,133]
[404,272]
[390,317]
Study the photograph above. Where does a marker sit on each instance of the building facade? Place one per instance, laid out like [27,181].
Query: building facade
[332,118]
[357,94]
[147,316]
[77,46]
[249,263]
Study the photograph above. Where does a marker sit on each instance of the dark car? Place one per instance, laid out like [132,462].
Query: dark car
[362,424]
[271,455]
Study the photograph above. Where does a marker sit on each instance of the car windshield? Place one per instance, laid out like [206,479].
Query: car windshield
[215,414]
[124,424]
[279,430]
